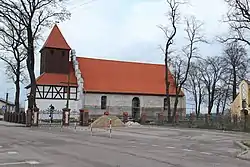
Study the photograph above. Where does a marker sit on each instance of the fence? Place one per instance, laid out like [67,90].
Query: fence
[15,117]
[54,117]
[218,122]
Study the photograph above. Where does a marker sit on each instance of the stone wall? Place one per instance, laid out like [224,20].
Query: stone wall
[119,103]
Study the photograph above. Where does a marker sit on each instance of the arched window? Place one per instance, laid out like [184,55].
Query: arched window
[104,102]
[135,108]
[165,104]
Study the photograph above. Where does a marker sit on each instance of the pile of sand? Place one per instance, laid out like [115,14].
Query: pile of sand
[103,122]
[130,123]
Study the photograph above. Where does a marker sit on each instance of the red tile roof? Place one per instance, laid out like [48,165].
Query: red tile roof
[57,79]
[124,77]
[56,40]
[109,76]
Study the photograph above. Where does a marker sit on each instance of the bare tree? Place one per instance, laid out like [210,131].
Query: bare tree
[238,18]
[170,33]
[211,70]
[195,86]
[33,15]
[181,64]
[13,54]
[236,63]
[225,92]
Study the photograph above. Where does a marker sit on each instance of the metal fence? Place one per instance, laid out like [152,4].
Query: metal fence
[54,117]
[218,122]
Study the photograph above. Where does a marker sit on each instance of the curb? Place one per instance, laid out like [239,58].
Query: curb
[242,154]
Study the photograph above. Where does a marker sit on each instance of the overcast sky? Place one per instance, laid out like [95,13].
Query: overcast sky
[127,29]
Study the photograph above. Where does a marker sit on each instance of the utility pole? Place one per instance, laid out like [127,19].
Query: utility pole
[6,104]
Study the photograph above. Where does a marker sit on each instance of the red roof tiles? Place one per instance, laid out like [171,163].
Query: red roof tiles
[123,77]
[108,76]
[57,79]
[56,40]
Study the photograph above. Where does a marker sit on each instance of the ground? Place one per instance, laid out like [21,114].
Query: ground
[127,147]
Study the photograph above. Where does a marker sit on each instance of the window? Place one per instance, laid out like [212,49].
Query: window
[63,53]
[103,102]
[165,104]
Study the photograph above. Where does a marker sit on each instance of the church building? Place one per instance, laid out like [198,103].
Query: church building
[99,85]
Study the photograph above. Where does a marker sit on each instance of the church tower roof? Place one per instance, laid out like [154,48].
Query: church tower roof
[56,40]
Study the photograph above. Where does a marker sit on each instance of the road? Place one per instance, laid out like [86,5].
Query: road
[128,147]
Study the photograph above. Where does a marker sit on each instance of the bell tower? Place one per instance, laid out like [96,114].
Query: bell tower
[55,53]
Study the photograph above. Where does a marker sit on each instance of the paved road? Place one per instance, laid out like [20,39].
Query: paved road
[128,147]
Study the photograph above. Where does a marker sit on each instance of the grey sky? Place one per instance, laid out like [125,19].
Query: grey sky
[127,29]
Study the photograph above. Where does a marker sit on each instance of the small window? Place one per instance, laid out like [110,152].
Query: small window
[104,102]
[165,104]
[63,53]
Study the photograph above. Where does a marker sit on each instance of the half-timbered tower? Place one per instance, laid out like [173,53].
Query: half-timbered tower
[56,73]
[99,85]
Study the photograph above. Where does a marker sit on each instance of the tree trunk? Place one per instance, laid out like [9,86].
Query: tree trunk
[167,89]
[31,69]
[209,107]
[196,103]
[199,102]
[175,106]
[17,84]
[234,83]
[224,103]
[218,107]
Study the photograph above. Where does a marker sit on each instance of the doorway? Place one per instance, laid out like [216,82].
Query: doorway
[136,108]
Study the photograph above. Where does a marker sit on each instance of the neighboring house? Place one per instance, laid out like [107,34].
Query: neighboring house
[99,85]
[10,105]
[243,95]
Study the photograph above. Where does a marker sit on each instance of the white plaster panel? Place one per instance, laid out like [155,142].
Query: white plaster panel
[40,88]
[126,100]
[46,88]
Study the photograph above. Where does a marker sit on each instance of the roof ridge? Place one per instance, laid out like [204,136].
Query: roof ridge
[122,61]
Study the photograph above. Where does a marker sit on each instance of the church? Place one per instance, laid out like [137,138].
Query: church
[98,85]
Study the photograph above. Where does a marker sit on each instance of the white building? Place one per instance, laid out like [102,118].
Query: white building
[99,85]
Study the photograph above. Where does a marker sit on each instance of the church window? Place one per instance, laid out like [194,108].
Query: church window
[103,102]
[165,104]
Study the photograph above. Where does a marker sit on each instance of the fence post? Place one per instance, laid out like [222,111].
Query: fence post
[66,116]
[28,118]
[35,116]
